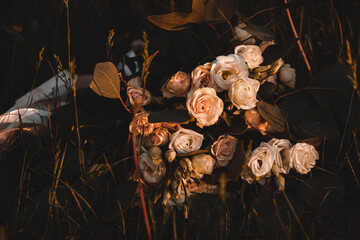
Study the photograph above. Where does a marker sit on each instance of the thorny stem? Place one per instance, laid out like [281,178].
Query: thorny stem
[298,40]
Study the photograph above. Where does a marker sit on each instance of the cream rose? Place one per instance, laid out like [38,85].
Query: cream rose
[204,105]
[138,97]
[262,159]
[251,54]
[303,157]
[287,75]
[177,85]
[242,35]
[185,141]
[224,148]
[152,170]
[282,148]
[224,67]
[203,163]
[201,76]
[242,92]
[159,137]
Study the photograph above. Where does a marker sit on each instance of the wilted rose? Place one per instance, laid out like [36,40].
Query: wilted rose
[253,119]
[242,35]
[251,54]
[138,96]
[201,76]
[224,148]
[243,91]
[185,141]
[140,124]
[303,157]
[287,75]
[177,85]
[262,159]
[282,148]
[159,137]
[226,66]
[203,163]
[204,105]
[153,171]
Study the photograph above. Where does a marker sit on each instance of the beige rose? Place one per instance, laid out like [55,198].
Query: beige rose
[242,92]
[226,66]
[138,97]
[303,157]
[201,76]
[262,159]
[242,35]
[204,105]
[185,141]
[203,163]
[153,171]
[287,75]
[224,148]
[177,85]
[159,137]
[282,148]
[140,124]
[251,54]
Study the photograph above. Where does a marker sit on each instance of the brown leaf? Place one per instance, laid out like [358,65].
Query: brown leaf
[174,21]
[106,80]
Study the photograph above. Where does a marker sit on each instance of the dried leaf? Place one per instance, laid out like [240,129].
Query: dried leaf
[106,80]
[174,21]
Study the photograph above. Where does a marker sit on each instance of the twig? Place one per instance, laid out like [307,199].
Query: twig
[298,40]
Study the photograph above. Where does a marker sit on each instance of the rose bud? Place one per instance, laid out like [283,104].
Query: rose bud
[223,149]
[224,67]
[303,157]
[177,85]
[159,137]
[138,97]
[155,154]
[201,76]
[135,82]
[152,171]
[242,35]
[287,76]
[205,106]
[280,182]
[203,163]
[140,124]
[185,141]
[242,92]
[248,176]
[262,159]
[282,148]
[170,155]
[251,55]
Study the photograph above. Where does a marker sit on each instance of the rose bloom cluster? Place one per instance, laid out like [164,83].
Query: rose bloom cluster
[278,156]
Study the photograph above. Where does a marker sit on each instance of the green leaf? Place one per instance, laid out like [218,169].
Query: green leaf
[169,115]
[273,115]
[276,51]
[260,32]
[321,192]
[215,10]
[174,21]
[237,164]
[106,80]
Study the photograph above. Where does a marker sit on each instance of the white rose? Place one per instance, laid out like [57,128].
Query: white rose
[137,96]
[282,148]
[201,76]
[287,76]
[177,85]
[242,35]
[303,157]
[204,105]
[242,92]
[251,55]
[203,163]
[185,141]
[152,171]
[224,67]
[262,159]
[224,148]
